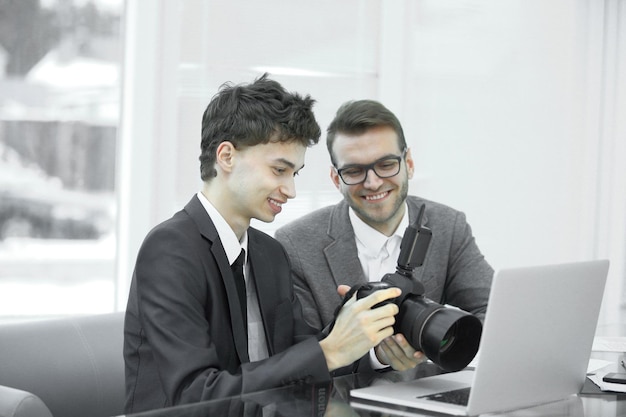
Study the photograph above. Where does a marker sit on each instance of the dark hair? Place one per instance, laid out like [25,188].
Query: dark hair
[254,114]
[356,117]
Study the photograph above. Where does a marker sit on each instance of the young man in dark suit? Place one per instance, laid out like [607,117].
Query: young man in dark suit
[194,332]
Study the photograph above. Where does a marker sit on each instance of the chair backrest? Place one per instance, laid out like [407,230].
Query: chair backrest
[74,365]
[18,403]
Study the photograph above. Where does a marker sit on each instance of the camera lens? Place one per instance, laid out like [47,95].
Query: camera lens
[448,340]
[448,336]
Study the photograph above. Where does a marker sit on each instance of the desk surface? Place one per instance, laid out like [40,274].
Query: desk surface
[333,400]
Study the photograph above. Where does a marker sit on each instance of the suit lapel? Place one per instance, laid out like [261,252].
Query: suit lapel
[341,254]
[260,266]
[207,229]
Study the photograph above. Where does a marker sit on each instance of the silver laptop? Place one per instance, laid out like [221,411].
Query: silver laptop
[534,349]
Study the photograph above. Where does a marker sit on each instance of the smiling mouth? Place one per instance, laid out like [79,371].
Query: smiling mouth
[376,197]
[277,205]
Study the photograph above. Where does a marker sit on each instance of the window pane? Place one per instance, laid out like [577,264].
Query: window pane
[59,105]
[331,56]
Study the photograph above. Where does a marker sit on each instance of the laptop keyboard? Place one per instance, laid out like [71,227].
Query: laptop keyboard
[457,396]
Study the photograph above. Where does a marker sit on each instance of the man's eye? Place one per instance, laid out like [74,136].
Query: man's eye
[387,165]
[279,171]
[352,172]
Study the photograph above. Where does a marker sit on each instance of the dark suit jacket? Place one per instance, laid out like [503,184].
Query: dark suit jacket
[323,253]
[184,336]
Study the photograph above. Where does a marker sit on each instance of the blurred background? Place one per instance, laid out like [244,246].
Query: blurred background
[514,111]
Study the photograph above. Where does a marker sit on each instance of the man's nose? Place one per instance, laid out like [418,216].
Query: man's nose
[289,188]
[372,180]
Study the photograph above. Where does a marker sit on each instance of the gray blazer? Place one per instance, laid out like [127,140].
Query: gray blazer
[323,254]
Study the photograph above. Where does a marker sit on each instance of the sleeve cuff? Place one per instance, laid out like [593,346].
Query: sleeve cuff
[376,364]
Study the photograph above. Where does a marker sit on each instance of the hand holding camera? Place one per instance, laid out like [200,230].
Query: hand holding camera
[358,327]
[396,352]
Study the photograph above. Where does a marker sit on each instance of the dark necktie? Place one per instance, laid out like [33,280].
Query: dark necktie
[240,283]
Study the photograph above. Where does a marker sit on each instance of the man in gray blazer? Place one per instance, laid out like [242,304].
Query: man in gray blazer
[358,239]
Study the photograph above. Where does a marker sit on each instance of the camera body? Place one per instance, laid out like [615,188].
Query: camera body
[448,336]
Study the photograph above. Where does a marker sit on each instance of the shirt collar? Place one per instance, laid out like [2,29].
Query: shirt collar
[371,239]
[232,246]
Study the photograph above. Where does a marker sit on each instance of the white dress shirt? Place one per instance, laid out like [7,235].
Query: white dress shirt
[378,253]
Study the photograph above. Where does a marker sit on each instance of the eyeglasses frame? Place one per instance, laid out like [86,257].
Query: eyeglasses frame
[370,167]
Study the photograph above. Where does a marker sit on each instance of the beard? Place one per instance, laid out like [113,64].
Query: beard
[376,217]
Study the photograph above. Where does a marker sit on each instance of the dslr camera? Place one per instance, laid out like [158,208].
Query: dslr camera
[448,336]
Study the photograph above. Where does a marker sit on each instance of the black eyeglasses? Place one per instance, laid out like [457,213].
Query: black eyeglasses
[384,168]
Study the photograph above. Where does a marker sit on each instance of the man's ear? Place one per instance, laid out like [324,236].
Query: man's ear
[334,177]
[224,155]
[410,165]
